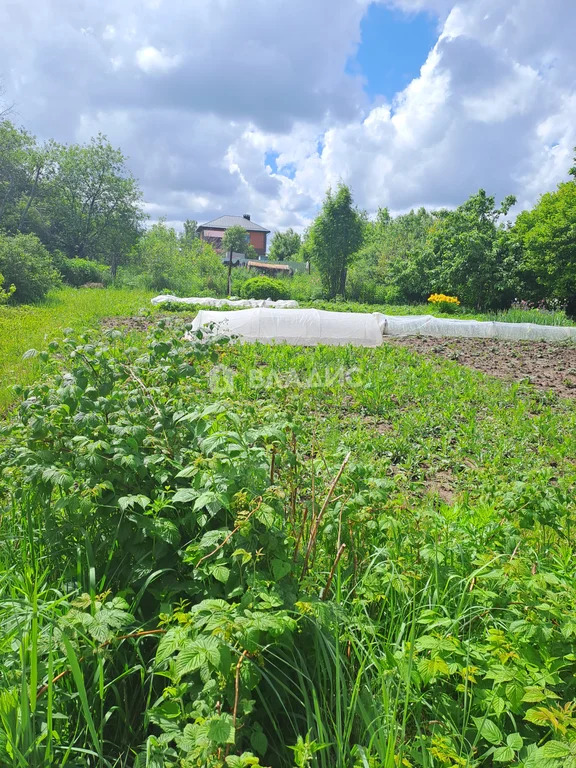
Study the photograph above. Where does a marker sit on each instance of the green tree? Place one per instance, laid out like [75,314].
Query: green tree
[334,236]
[190,232]
[284,245]
[17,148]
[471,255]
[547,234]
[161,258]
[94,204]
[235,240]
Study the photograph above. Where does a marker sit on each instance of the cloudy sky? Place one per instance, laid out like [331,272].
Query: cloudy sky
[257,106]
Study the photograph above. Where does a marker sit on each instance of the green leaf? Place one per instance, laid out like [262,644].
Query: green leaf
[555,749]
[196,653]
[184,495]
[280,568]
[221,730]
[503,754]
[515,741]
[259,742]
[488,730]
[124,502]
[205,499]
[220,573]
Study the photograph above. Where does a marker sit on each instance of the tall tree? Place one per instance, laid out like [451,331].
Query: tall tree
[235,240]
[284,245]
[472,256]
[334,236]
[547,234]
[94,205]
[16,148]
[190,232]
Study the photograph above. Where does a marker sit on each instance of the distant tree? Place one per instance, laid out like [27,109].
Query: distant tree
[547,234]
[16,148]
[334,236]
[284,245]
[190,232]
[471,256]
[94,204]
[234,241]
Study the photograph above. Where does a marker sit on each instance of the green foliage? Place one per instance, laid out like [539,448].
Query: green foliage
[547,235]
[474,258]
[77,272]
[235,239]
[190,232]
[5,293]
[93,204]
[263,287]
[26,264]
[284,246]
[307,607]
[185,268]
[26,327]
[334,236]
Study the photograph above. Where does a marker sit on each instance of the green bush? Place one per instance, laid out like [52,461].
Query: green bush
[77,272]
[27,265]
[263,287]
[169,266]
[5,291]
[305,287]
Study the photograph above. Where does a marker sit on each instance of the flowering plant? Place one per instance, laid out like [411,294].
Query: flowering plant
[444,303]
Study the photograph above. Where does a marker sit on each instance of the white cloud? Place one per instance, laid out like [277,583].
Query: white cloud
[150,59]
[198,93]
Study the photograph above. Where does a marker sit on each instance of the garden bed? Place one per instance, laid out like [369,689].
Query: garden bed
[546,366]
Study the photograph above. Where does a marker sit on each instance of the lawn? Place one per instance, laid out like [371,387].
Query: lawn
[226,555]
[33,327]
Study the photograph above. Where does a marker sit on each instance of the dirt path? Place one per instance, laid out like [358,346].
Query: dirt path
[545,365]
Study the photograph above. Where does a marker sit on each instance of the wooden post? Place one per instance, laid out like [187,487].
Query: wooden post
[230,273]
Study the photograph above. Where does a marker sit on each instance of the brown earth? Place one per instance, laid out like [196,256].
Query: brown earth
[544,365]
[141,323]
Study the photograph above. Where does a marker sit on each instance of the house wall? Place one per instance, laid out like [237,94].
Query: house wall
[214,237]
[258,240]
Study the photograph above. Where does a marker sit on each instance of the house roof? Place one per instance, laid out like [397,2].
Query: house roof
[270,267]
[225,222]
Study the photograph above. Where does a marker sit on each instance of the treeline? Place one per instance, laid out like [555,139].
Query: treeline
[74,214]
[471,252]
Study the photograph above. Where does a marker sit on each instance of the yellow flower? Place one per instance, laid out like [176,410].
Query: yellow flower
[441,298]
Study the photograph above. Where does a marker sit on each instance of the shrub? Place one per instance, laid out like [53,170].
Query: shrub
[27,265]
[263,287]
[447,304]
[305,287]
[168,266]
[5,292]
[77,272]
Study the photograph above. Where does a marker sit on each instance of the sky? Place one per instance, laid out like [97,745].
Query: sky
[259,106]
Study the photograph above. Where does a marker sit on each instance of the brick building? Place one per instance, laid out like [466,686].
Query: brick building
[213,232]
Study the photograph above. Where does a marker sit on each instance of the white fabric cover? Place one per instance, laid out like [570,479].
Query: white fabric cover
[428,325]
[306,327]
[203,301]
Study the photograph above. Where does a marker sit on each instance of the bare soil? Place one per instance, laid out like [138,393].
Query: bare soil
[544,365]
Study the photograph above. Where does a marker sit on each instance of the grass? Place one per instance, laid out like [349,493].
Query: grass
[538,316]
[355,557]
[27,327]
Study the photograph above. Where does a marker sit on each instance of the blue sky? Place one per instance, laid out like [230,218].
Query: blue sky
[394,46]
